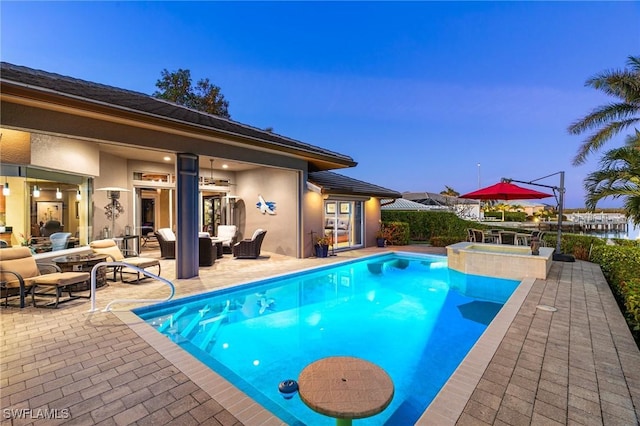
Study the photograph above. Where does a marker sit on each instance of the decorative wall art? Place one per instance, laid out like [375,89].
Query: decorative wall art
[344,208]
[49,210]
[330,208]
[266,206]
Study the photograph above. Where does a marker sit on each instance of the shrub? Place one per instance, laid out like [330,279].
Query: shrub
[422,225]
[621,267]
[397,233]
[626,243]
[444,241]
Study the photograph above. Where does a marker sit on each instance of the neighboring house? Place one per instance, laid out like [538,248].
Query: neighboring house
[529,206]
[464,208]
[65,142]
[402,204]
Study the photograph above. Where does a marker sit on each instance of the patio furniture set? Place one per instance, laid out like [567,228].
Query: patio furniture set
[214,247]
[499,236]
[21,275]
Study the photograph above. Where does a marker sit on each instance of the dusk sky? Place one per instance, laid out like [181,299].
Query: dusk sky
[418,93]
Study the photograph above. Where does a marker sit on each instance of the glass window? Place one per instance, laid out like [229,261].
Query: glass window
[41,203]
[343,223]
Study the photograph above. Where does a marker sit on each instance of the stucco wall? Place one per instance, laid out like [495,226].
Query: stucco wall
[372,221]
[313,203]
[68,155]
[114,172]
[277,185]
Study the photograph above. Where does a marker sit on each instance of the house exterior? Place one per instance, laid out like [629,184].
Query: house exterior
[105,162]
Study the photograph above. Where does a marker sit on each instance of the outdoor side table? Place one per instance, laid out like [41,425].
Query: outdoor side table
[124,241]
[218,243]
[345,388]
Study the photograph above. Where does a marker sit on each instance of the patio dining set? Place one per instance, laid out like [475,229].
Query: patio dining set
[499,236]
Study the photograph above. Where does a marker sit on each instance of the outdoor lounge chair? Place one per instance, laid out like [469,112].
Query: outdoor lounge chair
[249,248]
[111,249]
[207,251]
[59,240]
[20,274]
[167,240]
[229,236]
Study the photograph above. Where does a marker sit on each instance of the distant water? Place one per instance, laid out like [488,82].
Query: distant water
[633,233]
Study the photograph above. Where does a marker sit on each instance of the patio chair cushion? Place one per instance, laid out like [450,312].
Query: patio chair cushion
[141,262]
[256,233]
[108,247]
[60,278]
[18,260]
[167,234]
[227,233]
[167,240]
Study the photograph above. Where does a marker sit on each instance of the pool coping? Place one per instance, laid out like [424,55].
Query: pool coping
[446,407]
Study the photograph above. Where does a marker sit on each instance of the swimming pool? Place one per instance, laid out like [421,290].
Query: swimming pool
[409,314]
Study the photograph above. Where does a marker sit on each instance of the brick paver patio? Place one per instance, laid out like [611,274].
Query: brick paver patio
[577,365]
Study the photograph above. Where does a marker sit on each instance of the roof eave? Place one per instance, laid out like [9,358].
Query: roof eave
[15,91]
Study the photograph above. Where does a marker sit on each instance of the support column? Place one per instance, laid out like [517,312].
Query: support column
[187,178]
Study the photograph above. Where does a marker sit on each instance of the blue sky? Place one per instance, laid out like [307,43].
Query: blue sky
[418,93]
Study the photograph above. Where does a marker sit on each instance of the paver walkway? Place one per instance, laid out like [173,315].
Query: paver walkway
[578,365]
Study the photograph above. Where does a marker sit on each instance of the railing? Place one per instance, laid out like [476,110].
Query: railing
[126,265]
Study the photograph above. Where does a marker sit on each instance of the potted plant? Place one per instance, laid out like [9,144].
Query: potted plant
[382,236]
[322,246]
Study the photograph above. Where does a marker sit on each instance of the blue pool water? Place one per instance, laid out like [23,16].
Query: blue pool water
[410,314]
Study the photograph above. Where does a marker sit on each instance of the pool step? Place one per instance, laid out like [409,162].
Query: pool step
[194,321]
[172,318]
[214,324]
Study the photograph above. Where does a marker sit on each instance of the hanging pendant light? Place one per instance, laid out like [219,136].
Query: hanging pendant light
[78,195]
[5,189]
[36,191]
[58,194]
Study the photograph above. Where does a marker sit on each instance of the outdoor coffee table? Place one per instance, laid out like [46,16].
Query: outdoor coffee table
[345,388]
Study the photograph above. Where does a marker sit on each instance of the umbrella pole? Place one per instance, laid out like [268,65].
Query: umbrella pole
[560,212]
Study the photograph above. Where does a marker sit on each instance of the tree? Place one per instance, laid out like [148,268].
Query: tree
[609,120]
[205,96]
[502,207]
[449,191]
[619,177]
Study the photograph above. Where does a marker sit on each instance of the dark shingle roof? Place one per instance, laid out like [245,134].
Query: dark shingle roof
[433,199]
[402,204]
[333,183]
[142,103]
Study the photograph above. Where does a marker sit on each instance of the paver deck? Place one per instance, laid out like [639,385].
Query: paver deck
[576,365]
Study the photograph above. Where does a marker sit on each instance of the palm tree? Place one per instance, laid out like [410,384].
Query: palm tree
[609,120]
[619,177]
[449,191]
[502,207]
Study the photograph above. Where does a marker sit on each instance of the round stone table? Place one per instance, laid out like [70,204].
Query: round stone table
[345,388]
[83,263]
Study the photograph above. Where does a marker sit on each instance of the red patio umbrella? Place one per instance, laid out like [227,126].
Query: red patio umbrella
[505,191]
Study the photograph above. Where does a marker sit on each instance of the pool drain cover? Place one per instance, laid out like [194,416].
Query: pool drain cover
[546,308]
